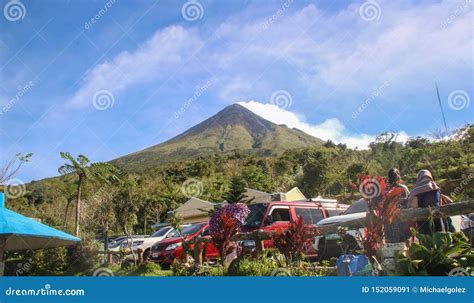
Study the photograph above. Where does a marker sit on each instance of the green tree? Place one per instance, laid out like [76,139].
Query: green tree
[256,178]
[126,212]
[85,171]
[236,191]
[315,171]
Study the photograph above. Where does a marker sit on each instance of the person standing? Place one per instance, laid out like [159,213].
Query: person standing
[397,232]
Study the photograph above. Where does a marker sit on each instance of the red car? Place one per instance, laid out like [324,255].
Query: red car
[168,250]
[273,216]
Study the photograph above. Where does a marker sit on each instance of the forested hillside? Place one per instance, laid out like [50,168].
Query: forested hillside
[329,170]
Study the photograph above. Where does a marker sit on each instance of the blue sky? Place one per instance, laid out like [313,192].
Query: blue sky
[107,78]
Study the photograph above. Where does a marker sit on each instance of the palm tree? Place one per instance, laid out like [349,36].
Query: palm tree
[85,171]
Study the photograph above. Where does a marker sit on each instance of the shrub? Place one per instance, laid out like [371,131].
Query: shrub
[308,269]
[247,266]
[84,256]
[185,270]
[41,262]
[436,255]
[224,224]
[293,242]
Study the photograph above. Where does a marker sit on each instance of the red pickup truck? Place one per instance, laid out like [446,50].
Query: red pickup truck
[277,215]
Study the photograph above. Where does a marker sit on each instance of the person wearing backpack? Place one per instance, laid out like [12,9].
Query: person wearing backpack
[427,193]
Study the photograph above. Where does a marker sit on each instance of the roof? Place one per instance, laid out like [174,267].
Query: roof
[257,195]
[293,194]
[20,232]
[194,207]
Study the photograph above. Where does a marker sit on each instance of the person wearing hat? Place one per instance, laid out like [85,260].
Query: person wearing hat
[427,193]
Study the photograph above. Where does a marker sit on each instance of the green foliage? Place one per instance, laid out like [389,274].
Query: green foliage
[248,266]
[145,195]
[256,178]
[149,269]
[238,131]
[40,262]
[84,256]
[236,191]
[436,255]
[316,164]
[85,171]
[311,269]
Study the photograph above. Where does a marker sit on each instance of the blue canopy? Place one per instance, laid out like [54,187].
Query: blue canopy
[18,232]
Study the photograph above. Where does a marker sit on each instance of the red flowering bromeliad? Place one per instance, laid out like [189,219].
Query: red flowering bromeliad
[294,241]
[383,208]
[224,224]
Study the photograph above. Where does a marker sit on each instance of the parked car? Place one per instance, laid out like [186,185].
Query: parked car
[277,215]
[467,226]
[328,245]
[168,250]
[144,244]
[120,242]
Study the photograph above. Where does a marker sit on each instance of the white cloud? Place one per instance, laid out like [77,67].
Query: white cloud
[158,58]
[343,54]
[325,53]
[325,56]
[331,129]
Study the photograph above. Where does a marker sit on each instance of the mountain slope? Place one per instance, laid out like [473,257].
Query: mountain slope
[235,128]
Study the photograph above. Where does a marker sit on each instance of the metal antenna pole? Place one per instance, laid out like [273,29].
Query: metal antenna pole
[442,111]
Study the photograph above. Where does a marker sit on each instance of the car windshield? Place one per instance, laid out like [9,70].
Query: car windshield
[161,232]
[192,229]
[358,207]
[257,211]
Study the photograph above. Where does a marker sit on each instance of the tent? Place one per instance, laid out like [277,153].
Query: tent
[18,232]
